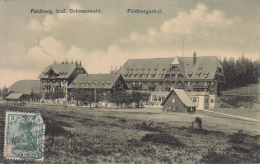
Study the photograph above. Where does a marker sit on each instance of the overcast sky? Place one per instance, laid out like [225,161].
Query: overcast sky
[30,42]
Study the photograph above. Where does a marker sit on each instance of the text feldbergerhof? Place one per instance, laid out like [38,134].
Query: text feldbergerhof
[138,11]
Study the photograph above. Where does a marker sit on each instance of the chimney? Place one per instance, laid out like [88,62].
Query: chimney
[80,63]
[194,58]
[76,62]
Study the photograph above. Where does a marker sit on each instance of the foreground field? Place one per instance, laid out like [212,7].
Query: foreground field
[83,135]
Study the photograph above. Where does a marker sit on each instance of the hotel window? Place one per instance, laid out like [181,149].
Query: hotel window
[159,98]
[154,98]
[211,100]
[53,89]
[173,100]
[140,83]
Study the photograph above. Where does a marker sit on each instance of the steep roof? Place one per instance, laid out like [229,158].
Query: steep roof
[99,81]
[154,68]
[14,96]
[25,86]
[63,70]
[184,98]
[205,67]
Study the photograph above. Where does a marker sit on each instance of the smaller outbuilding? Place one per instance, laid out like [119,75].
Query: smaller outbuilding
[178,101]
[15,97]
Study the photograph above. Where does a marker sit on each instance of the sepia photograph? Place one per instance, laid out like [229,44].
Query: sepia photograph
[138,82]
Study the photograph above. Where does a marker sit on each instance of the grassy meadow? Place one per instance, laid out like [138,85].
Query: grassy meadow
[101,135]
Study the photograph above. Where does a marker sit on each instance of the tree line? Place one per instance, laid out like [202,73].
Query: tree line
[240,72]
[118,97]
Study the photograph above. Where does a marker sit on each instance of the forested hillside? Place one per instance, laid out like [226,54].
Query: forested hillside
[240,72]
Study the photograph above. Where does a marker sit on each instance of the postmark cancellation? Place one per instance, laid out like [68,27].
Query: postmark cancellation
[24,136]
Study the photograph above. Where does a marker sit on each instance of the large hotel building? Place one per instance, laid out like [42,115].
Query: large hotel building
[200,77]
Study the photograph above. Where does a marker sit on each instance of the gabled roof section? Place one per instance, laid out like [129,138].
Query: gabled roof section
[153,68]
[175,61]
[63,70]
[25,86]
[99,81]
[184,98]
[14,96]
[204,68]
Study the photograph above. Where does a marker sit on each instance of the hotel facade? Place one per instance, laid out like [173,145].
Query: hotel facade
[200,77]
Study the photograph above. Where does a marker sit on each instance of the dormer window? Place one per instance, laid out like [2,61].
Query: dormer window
[148,68]
[206,74]
[155,68]
[161,74]
[175,68]
[143,68]
[146,75]
[190,73]
[198,74]
[140,74]
[201,67]
[153,74]
[108,83]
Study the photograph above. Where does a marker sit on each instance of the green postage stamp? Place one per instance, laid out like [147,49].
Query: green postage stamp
[24,136]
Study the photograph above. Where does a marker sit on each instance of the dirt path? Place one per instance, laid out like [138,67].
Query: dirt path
[229,115]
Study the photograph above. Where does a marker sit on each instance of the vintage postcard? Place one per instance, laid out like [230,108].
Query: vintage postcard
[158,81]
